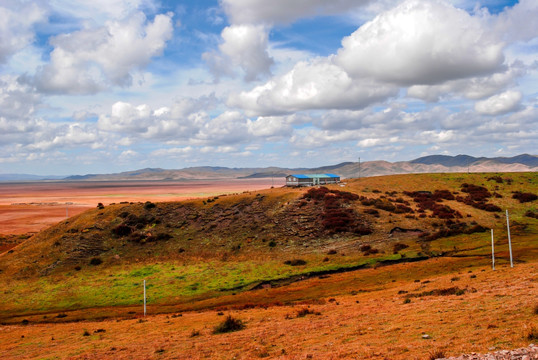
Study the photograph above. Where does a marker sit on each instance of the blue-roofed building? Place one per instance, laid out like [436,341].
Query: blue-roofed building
[311,179]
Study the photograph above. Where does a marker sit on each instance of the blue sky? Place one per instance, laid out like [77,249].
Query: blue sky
[108,86]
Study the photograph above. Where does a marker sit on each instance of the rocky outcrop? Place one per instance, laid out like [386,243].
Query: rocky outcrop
[527,353]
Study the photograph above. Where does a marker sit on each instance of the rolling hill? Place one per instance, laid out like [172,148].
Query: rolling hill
[427,164]
[378,260]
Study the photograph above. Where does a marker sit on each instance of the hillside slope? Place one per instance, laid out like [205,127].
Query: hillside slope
[194,251]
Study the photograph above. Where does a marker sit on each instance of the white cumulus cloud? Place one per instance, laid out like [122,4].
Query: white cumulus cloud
[243,46]
[421,42]
[318,84]
[500,104]
[284,11]
[520,22]
[90,60]
[16,25]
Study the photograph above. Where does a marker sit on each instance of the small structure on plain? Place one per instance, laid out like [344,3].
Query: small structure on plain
[311,179]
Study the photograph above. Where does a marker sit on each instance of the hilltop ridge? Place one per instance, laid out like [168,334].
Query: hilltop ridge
[426,164]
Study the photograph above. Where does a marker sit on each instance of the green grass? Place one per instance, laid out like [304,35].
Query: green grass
[165,282]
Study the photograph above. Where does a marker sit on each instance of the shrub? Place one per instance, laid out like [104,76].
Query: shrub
[230,324]
[497,179]
[476,193]
[399,246]
[295,262]
[149,205]
[306,311]
[443,194]
[365,248]
[160,237]
[524,197]
[491,208]
[531,214]
[122,230]
[407,301]
[100,206]
[272,243]
[401,209]
[436,354]
[372,212]
[384,205]
[335,217]
[195,333]
[453,229]
[477,197]
[96,261]
[367,202]
[532,333]
[440,292]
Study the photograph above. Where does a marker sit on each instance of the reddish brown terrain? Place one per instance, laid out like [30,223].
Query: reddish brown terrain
[28,207]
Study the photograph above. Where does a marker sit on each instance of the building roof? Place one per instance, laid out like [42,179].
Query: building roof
[314,176]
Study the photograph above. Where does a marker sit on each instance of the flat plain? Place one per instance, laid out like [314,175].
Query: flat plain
[27,207]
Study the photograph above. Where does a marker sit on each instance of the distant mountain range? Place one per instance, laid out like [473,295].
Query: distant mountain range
[427,164]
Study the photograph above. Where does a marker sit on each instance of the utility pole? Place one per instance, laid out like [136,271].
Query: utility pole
[509,240]
[492,251]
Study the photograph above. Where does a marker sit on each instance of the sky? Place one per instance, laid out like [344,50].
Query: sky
[105,86]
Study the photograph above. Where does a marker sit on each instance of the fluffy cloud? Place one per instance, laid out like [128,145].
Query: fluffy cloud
[520,22]
[179,124]
[284,11]
[499,104]
[245,41]
[17,100]
[90,60]
[169,124]
[66,136]
[473,88]
[16,30]
[421,42]
[318,84]
[270,127]
[226,129]
[243,46]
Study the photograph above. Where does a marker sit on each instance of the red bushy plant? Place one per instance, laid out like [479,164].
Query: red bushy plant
[524,197]
[335,217]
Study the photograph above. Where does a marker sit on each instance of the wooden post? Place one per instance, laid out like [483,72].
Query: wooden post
[144,297]
[509,240]
[492,251]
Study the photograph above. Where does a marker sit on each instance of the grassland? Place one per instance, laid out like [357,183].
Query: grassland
[236,254]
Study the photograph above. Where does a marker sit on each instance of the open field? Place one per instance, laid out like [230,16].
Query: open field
[359,315]
[28,207]
[362,270]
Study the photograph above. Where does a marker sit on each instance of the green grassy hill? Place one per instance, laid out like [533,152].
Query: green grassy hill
[194,251]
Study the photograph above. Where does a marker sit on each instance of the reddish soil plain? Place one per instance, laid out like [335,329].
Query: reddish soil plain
[28,207]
